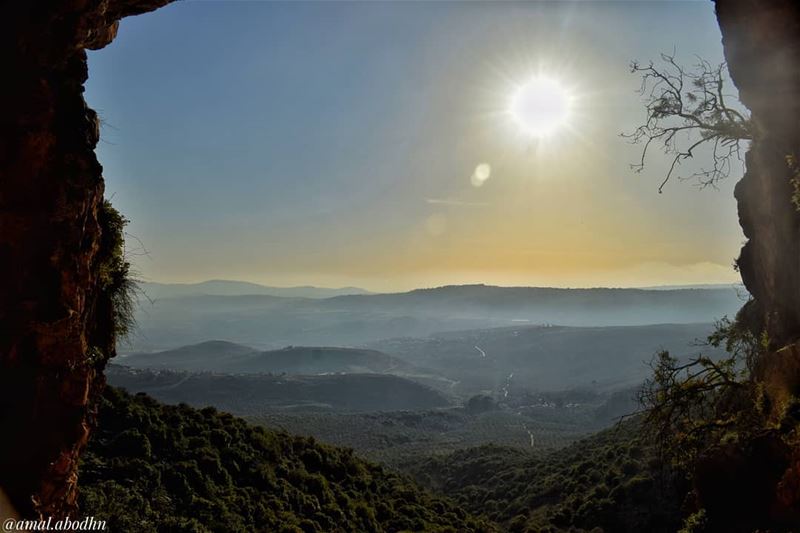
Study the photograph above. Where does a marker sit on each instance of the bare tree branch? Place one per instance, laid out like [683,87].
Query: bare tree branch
[686,110]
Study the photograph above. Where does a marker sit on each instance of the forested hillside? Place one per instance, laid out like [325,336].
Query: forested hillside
[253,394]
[612,481]
[152,467]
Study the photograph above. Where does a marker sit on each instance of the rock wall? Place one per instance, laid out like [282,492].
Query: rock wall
[762,46]
[761,39]
[54,334]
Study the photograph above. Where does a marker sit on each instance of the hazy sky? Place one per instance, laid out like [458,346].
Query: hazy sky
[334,144]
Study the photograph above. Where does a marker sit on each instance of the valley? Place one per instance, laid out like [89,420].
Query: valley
[400,399]
[476,392]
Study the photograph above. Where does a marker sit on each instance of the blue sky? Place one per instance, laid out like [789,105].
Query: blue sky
[332,143]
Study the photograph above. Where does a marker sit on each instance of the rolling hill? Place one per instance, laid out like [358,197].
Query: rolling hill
[503,361]
[228,357]
[209,355]
[252,394]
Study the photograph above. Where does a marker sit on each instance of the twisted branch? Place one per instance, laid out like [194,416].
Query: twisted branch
[694,104]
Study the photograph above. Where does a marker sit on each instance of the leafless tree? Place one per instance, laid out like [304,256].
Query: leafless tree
[685,110]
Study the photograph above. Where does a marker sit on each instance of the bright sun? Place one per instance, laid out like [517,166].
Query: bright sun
[540,106]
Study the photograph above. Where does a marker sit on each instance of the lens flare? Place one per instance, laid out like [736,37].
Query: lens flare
[482,173]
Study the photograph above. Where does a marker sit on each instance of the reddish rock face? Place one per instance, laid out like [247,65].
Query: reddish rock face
[54,334]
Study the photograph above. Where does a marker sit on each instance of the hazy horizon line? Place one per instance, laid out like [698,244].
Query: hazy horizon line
[676,286]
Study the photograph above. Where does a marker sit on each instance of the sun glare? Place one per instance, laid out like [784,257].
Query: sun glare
[540,106]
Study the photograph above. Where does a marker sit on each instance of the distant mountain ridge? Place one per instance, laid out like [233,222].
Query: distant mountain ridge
[697,286]
[559,303]
[270,322]
[221,287]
